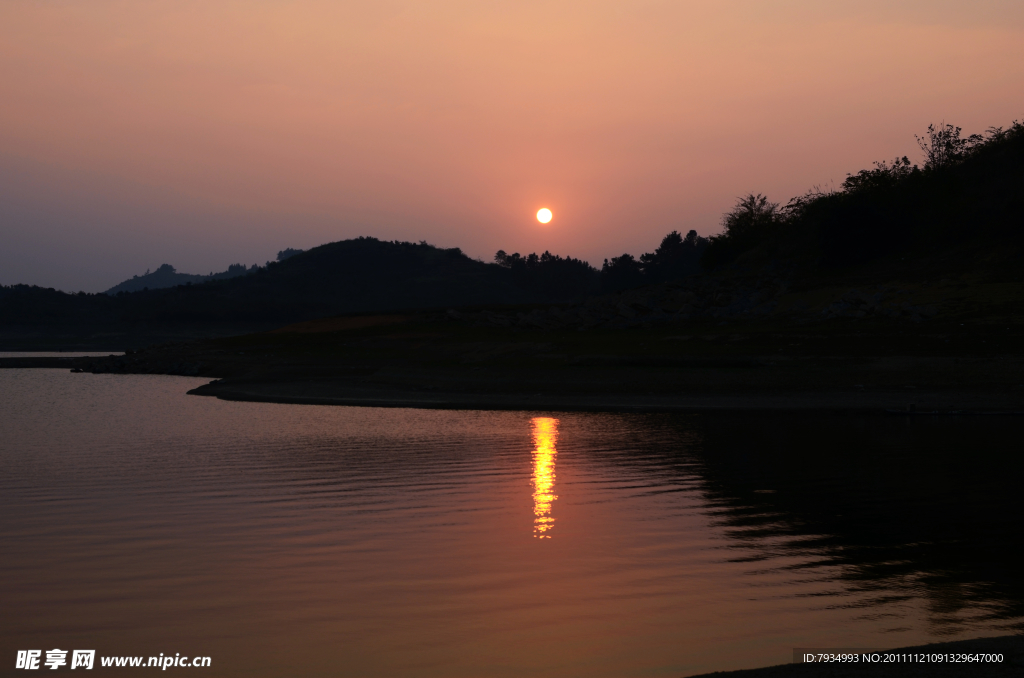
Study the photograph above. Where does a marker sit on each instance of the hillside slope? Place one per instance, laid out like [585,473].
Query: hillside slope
[351,276]
[962,211]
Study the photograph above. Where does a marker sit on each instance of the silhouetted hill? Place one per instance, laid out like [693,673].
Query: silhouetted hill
[961,209]
[958,220]
[351,276]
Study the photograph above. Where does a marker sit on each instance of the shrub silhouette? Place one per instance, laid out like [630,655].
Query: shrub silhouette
[943,146]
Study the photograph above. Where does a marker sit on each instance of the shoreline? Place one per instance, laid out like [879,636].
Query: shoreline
[1010,646]
[930,403]
[448,365]
[458,388]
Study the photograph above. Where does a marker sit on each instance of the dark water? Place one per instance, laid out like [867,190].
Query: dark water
[289,540]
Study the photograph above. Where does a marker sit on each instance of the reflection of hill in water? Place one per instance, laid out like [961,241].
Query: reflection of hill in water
[904,508]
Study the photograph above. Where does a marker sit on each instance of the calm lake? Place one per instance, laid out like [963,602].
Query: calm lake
[294,540]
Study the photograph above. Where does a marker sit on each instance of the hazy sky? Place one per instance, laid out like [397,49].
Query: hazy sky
[134,133]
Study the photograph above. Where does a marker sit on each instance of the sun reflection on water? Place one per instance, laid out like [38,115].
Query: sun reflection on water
[545,435]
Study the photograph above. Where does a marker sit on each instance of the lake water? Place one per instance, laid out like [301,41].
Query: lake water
[293,540]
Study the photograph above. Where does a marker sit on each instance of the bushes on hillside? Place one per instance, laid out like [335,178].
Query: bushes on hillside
[969,187]
[943,146]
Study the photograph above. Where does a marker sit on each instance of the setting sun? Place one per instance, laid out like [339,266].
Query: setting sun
[544,215]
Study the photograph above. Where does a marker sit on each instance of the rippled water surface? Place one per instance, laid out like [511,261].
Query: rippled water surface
[287,540]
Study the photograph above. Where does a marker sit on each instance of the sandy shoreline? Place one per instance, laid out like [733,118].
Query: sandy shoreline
[1011,647]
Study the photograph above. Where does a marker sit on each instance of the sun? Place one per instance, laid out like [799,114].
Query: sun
[544,215]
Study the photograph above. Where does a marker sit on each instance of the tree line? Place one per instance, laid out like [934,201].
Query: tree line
[564,278]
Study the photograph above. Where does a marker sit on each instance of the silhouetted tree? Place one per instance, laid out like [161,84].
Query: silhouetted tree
[674,258]
[554,277]
[750,223]
[621,273]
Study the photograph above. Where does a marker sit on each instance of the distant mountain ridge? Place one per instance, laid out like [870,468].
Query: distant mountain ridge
[166,276]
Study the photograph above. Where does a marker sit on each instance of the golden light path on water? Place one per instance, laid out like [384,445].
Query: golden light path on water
[545,436]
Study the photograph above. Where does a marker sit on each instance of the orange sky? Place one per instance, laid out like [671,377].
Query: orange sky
[205,133]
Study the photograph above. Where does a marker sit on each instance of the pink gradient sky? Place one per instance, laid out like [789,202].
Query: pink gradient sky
[205,133]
